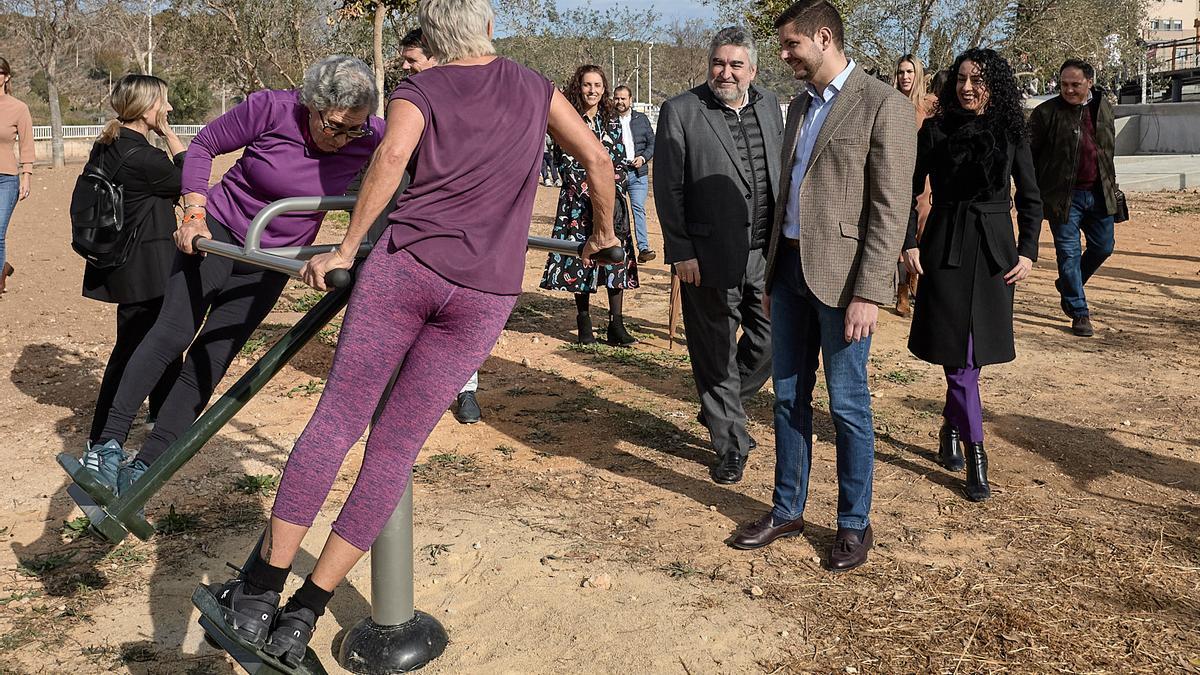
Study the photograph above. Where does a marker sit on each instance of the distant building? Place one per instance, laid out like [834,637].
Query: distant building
[1173,20]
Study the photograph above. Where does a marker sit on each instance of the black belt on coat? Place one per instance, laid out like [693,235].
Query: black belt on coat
[966,214]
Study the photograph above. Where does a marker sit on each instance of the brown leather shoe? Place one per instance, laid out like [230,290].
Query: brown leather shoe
[646,256]
[764,531]
[1082,326]
[850,549]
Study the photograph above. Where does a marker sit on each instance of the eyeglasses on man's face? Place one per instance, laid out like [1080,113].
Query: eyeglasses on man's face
[332,130]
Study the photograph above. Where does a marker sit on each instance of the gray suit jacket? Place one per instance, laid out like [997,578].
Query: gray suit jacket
[856,195]
[700,186]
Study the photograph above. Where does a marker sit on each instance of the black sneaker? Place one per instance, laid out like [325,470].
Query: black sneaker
[294,627]
[466,410]
[246,615]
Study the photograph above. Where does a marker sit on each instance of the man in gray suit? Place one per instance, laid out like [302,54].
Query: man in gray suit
[717,161]
[845,200]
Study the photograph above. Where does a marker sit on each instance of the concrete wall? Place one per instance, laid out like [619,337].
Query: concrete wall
[76,150]
[1158,129]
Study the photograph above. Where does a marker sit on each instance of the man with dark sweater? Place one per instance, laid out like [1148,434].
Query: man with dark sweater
[1073,141]
[717,161]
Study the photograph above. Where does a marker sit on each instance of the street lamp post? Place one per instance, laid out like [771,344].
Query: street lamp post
[650,85]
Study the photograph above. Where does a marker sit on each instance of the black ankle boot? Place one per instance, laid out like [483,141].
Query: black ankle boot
[584,321]
[617,335]
[977,487]
[950,453]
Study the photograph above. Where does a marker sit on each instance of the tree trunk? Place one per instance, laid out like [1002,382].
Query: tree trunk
[380,15]
[56,120]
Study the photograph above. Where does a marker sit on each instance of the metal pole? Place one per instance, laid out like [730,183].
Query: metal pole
[1145,76]
[392,566]
[614,63]
[650,85]
[637,75]
[149,37]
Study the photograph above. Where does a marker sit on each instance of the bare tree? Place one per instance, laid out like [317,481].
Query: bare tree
[48,29]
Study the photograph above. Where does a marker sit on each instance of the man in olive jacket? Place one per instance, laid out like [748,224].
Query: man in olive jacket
[1072,136]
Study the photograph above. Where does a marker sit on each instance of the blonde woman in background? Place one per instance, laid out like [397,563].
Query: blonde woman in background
[15,175]
[909,79]
[151,181]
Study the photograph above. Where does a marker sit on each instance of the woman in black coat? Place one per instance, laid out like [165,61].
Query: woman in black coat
[968,257]
[151,182]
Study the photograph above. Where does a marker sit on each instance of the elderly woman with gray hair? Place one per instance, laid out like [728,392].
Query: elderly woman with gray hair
[428,305]
[308,142]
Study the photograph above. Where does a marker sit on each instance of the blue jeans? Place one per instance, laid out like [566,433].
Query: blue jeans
[10,187]
[801,329]
[638,187]
[1074,269]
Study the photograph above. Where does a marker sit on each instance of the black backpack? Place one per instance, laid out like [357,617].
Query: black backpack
[98,228]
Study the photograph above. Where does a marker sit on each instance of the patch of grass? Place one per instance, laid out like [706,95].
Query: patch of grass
[651,361]
[74,529]
[902,376]
[44,564]
[329,334]
[506,450]
[307,389]
[127,554]
[540,436]
[17,638]
[255,343]
[338,220]
[175,522]
[306,301]
[1177,209]
[138,652]
[13,597]
[262,484]
[681,570]
[434,551]
[448,462]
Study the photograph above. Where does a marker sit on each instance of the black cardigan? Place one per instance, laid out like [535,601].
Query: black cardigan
[152,186]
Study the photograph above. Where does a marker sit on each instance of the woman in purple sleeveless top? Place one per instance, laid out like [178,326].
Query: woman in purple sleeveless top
[433,295]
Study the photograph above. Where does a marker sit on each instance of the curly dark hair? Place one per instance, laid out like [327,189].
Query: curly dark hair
[1004,107]
[574,92]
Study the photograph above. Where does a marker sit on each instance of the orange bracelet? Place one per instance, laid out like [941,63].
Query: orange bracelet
[189,217]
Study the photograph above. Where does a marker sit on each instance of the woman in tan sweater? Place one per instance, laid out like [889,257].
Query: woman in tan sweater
[15,123]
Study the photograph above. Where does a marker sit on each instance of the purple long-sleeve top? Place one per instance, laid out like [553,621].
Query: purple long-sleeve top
[279,160]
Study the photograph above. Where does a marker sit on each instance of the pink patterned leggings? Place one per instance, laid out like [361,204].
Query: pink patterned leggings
[401,315]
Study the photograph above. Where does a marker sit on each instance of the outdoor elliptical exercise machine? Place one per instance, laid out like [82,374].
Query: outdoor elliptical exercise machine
[395,638]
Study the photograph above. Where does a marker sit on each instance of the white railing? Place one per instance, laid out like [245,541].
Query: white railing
[42,133]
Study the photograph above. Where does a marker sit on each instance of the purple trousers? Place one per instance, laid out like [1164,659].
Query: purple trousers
[964,409]
[401,312]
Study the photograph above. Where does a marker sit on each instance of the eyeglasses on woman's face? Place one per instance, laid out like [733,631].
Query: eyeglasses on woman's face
[333,130]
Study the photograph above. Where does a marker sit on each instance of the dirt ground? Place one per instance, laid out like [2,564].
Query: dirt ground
[589,462]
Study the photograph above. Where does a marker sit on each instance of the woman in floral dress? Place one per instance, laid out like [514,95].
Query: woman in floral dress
[588,92]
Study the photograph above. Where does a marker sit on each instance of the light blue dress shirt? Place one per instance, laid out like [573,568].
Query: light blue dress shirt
[810,127]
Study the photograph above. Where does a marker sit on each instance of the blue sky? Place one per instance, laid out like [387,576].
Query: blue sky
[669,9]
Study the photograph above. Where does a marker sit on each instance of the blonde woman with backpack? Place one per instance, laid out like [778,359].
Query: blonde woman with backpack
[151,180]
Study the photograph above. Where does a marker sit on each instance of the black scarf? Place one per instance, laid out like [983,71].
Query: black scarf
[976,155]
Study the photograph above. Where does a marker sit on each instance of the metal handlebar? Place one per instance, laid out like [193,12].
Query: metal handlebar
[338,278]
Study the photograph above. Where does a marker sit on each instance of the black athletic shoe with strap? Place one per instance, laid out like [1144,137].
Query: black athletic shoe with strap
[294,627]
[247,615]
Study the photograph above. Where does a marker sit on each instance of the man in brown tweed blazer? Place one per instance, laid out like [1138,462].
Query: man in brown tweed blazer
[844,200]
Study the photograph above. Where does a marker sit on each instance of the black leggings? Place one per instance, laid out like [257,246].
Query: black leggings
[134,321]
[217,302]
[616,301]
